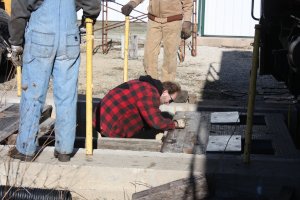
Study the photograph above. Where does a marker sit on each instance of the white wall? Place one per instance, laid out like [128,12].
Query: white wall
[230,17]
[117,16]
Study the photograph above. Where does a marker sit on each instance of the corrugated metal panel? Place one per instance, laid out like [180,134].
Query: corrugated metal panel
[230,17]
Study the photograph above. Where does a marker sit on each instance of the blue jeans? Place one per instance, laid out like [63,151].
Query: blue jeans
[51,50]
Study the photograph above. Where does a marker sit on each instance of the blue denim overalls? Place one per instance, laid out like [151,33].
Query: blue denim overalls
[52,49]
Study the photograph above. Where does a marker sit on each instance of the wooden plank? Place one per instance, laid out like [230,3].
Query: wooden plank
[188,188]
[193,138]
[46,127]
[9,120]
[4,107]
[282,141]
[132,144]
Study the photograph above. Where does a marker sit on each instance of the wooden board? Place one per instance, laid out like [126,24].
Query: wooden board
[129,144]
[190,188]
[281,139]
[9,120]
[193,138]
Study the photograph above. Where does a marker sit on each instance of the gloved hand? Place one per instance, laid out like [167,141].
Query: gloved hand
[16,55]
[82,27]
[126,9]
[186,30]
[179,123]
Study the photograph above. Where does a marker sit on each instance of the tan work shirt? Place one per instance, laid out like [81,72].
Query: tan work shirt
[167,8]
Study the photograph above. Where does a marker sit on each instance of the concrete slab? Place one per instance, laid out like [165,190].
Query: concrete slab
[227,143]
[224,117]
[108,174]
[229,42]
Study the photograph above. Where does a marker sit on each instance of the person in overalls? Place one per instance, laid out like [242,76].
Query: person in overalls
[51,49]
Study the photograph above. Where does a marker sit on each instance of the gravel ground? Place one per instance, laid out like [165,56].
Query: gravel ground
[215,73]
[214,69]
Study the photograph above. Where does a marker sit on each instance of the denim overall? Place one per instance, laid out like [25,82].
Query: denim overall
[51,50]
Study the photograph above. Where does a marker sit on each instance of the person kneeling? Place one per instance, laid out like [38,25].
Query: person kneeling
[132,109]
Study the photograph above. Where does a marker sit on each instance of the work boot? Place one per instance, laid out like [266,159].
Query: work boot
[15,154]
[182,97]
[62,157]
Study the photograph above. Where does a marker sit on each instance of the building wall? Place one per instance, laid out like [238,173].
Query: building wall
[229,17]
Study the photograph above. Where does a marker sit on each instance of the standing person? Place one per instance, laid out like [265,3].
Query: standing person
[168,21]
[51,49]
[132,107]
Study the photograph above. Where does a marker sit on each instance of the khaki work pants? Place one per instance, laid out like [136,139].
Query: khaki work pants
[168,34]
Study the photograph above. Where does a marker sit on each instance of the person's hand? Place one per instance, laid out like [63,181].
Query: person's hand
[126,9]
[82,27]
[186,31]
[16,55]
[179,123]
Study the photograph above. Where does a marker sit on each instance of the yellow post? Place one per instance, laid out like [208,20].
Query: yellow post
[126,44]
[19,80]
[251,94]
[89,86]
[7,4]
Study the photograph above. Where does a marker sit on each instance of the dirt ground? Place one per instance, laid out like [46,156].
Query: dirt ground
[212,74]
[214,70]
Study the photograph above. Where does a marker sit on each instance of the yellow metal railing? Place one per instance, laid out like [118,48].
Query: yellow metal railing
[251,94]
[19,80]
[7,4]
[89,86]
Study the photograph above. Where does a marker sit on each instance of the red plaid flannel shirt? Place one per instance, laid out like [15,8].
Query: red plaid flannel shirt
[124,110]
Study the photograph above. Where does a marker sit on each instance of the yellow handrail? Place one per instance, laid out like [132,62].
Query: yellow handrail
[19,80]
[7,4]
[89,86]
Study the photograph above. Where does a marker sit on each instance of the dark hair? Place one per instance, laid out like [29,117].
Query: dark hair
[172,87]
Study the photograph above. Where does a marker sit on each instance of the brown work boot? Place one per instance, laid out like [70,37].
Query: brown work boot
[62,157]
[182,97]
[15,154]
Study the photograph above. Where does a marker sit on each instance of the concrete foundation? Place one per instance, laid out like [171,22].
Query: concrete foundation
[108,174]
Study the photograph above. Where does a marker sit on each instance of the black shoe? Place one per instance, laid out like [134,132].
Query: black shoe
[62,157]
[15,154]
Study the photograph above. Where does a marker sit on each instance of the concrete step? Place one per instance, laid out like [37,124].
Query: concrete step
[108,174]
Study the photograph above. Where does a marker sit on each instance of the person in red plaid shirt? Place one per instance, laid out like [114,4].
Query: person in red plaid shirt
[132,107]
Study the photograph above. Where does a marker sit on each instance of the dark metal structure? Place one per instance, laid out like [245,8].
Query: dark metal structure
[280,41]
[5,66]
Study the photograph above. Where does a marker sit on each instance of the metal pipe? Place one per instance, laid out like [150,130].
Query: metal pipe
[252,11]
[19,80]
[133,9]
[126,44]
[89,86]
[194,30]
[104,26]
[122,23]
[251,94]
